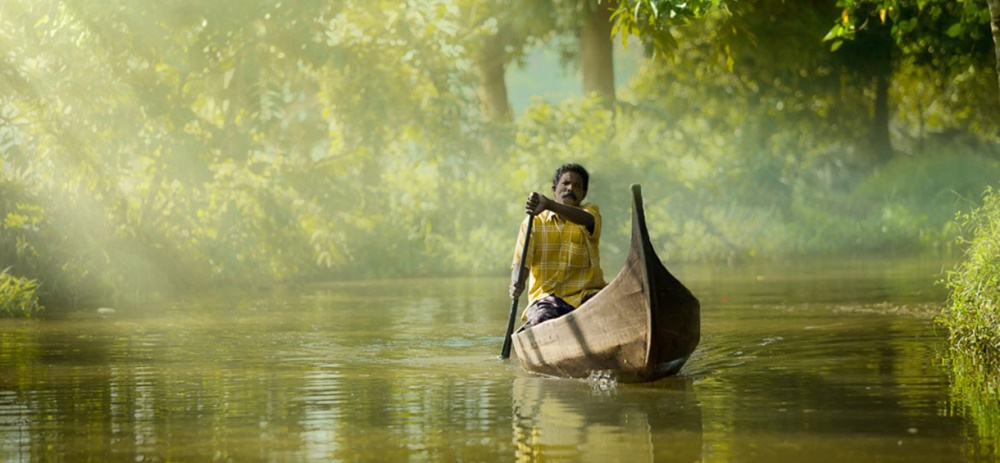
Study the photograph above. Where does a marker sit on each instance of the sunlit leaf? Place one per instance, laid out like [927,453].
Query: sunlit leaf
[955,30]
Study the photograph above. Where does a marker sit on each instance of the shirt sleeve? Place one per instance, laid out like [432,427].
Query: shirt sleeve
[596,212]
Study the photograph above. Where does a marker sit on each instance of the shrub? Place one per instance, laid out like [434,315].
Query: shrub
[18,296]
[972,315]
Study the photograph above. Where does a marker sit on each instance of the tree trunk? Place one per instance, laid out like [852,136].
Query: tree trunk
[881,145]
[995,27]
[492,81]
[597,54]
[492,92]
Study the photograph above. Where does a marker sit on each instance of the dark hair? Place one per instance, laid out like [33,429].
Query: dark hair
[572,167]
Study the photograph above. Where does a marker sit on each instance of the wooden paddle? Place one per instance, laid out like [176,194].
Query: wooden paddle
[505,351]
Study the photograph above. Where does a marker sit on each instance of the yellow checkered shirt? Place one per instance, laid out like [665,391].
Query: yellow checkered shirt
[562,257]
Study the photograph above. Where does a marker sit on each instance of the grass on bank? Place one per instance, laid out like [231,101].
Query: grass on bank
[972,315]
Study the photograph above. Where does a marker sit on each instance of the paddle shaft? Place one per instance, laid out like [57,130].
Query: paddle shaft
[505,351]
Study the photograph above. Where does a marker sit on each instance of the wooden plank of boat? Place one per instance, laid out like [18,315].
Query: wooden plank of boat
[642,327]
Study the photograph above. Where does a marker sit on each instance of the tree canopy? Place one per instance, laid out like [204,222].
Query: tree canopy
[148,148]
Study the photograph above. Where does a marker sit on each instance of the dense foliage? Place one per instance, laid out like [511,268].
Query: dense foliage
[147,148]
[972,316]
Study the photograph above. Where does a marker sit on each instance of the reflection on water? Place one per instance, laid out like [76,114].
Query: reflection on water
[569,420]
[978,387]
[835,362]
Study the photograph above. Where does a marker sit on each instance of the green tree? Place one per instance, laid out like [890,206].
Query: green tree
[653,21]
[945,32]
[189,144]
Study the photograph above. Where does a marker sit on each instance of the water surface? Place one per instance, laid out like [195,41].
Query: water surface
[828,362]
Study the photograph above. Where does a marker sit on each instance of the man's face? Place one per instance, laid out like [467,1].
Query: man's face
[569,189]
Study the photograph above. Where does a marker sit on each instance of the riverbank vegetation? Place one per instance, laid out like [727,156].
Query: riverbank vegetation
[18,296]
[972,316]
[148,149]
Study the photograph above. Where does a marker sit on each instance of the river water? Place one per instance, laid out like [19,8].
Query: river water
[826,362]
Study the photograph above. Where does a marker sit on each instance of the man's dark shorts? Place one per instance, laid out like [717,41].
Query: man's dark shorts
[547,308]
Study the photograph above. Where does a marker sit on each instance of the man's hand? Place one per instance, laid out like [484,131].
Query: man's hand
[517,286]
[537,203]
[515,290]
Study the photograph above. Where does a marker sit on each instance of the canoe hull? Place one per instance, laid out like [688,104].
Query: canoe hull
[642,327]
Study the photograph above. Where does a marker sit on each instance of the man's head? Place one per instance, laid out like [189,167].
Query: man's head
[569,185]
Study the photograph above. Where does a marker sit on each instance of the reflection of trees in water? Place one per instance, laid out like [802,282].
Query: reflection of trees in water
[18,353]
[424,414]
[227,382]
[602,422]
[978,388]
[98,390]
[844,390]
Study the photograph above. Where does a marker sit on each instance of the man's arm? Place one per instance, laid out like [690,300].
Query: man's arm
[539,202]
[517,286]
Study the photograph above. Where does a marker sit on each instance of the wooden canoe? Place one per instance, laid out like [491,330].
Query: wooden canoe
[642,327]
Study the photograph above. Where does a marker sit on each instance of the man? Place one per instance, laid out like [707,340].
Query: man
[563,264]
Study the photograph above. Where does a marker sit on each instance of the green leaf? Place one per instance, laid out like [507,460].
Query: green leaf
[955,30]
